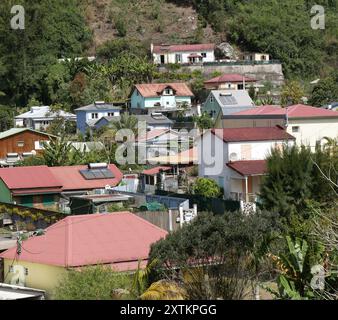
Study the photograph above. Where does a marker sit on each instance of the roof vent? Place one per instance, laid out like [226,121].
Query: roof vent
[99,102]
[226,94]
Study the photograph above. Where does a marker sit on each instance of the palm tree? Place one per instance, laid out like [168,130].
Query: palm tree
[126,122]
[57,151]
[164,290]
[141,276]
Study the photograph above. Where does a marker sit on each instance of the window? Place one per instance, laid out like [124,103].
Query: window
[263,57]
[246,151]
[204,54]
[240,86]
[21,144]
[26,271]
[212,99]
[95,115]
[10,269]
[39,144]
[178,58]
[295,129]
[111,114]
[168,92]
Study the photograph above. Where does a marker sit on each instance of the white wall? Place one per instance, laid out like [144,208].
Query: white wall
[214,154]
[313,130]
[101,114]
[171,57]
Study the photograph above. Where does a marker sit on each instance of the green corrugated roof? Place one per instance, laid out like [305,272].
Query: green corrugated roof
[14,131]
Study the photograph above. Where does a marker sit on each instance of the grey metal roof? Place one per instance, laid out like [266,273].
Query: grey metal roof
[43,112]
[98,106]
[147,118]
[232,101]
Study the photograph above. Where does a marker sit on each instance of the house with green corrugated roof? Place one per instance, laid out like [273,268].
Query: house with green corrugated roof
[17,143]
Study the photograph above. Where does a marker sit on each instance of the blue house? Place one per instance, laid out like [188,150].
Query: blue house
[89,115]
[162,97]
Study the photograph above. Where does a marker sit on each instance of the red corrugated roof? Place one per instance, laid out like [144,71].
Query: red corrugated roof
[71,178]
[41,179]
[156,170]
[120,239]
[29,178]
[252,134]
[231,77]
[295,111]
[184,48]
[249,168]
[149,90]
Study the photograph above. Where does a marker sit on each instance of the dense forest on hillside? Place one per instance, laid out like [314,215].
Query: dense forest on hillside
[281,28]
[30,73]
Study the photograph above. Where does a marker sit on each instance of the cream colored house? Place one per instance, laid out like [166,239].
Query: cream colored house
[254,56]
[235,158]
[183,54]
[309,125]
[119,240]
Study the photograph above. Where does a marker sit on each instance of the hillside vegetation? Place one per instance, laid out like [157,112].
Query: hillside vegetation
[119,32]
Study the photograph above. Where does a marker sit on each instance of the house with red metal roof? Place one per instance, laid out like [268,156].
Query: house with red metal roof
[47,187]
[119,240]
[309,125]
[235,158]
[148,98]
[183,53]
[230,81]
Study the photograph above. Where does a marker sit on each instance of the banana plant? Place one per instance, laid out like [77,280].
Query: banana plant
[294,271]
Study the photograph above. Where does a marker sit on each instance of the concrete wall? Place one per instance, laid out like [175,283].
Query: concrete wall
[261,72]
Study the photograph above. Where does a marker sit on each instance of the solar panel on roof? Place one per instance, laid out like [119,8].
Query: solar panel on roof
[96,174]
[228,100]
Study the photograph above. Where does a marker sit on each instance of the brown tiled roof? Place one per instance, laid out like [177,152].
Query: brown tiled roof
[149,90]
[249,168]
[184,47]
[252,134]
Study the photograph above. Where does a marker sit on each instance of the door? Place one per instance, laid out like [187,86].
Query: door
[162,59]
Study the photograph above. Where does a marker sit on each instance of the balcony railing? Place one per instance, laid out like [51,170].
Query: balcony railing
[237,196]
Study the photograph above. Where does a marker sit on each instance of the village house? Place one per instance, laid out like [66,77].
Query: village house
[255,56]
[86,116]
[309,125]
[160,97]
[183,54]
[120,240]
[235,158]
[153,121]
[40,118]
[51,187]
[221,103]
[231,81]
[163,142]
[18,143]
